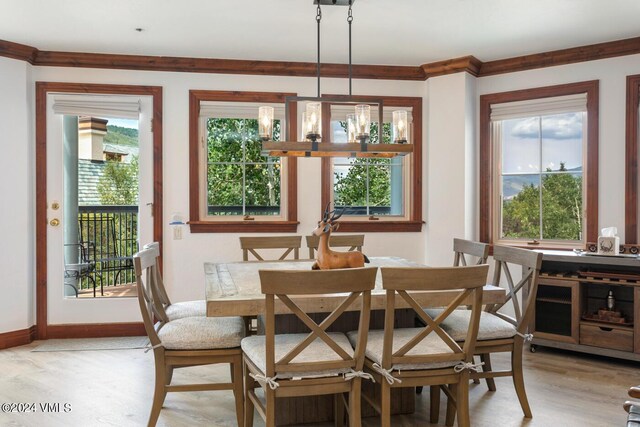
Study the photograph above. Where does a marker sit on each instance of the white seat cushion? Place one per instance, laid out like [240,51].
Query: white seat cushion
[179,310]
[432,344]
[457,324]
[318,351]
[202,333]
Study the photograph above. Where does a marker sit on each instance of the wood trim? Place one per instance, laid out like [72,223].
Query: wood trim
[591,88]
[631,160]
[414,224]
[17,338]
[470,64]
[562,57]
[42,88]
[96,330]
[18,51]
[290,225]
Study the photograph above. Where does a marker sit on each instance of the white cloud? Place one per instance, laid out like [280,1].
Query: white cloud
[560,126]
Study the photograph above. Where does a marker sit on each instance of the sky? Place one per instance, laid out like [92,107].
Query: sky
[125,123]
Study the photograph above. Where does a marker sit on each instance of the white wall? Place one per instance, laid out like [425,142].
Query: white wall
[16,192]
[184,259]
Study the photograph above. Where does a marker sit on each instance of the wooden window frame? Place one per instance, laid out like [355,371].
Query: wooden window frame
[631,161]
[414,223]
[196,224]
[591,88]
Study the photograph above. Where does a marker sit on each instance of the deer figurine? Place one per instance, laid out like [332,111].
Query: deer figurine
[328,259]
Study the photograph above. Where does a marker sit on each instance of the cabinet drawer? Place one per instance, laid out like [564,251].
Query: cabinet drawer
[614,338]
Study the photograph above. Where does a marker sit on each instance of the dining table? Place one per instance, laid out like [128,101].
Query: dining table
[233,289]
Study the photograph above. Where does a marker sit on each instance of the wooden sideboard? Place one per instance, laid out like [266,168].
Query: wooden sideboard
[572,288]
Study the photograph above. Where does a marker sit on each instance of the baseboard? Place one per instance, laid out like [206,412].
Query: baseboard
[17,338]
[96,330]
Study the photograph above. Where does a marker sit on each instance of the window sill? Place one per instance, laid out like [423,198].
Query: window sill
[541,246]
[381,226]
[243,226]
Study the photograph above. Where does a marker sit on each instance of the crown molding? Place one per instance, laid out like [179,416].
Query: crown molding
[562,57]
[469,64]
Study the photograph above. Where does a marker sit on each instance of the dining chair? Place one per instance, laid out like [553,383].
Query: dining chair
[463,248]
[190,341]
[289,243]
[354,242]
[177,310]
[499,331]
[317,363]
[427,355]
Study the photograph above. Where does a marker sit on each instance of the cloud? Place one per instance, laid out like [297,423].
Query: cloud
[559,126]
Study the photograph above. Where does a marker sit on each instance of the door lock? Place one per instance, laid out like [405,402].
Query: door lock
[54,222]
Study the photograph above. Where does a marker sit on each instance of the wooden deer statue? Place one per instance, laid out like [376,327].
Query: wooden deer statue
[328,259]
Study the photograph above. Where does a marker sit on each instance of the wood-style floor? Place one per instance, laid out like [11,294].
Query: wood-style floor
[114,388]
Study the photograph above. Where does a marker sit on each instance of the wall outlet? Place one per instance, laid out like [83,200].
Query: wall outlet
[177,232]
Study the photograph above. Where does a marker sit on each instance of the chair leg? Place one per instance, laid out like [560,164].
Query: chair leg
[385,404]
[236,379]
[338,410]
[434,409]
[355,402]
[486,358]
[518,379]
[160,390]
[451,405]
[271,407]
[476,380]
[248,403]
[462,400]
[169,374]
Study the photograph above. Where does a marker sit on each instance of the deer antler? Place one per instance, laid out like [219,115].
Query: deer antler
[325,217]
[337,216]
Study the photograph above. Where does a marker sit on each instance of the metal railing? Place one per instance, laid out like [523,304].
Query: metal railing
[110,234]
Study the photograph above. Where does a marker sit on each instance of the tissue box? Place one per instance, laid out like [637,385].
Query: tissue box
[608,245]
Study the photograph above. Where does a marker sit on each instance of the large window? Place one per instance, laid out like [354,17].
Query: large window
[238,188]
[377,194]
[540,168]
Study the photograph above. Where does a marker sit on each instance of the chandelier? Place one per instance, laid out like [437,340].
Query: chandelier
[313,142]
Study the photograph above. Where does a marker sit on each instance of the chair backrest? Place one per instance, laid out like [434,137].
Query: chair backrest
[462,248]
[289,243]
[521,294]
[467,280]
[145,268]
[158,291]
[354,242]
[358,282]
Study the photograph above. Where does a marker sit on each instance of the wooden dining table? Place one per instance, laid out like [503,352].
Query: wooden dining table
[233,289]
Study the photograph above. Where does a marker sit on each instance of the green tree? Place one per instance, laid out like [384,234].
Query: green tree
[561,196]
[118,184]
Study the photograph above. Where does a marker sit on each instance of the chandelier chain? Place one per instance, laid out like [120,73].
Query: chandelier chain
[350,20]
[318,19]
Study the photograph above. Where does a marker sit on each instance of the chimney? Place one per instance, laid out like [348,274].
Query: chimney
[91,132]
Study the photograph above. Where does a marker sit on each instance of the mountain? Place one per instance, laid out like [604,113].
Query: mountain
[513,184]
[118,135]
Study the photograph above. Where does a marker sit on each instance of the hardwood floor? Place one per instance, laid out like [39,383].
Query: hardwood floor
[114,388]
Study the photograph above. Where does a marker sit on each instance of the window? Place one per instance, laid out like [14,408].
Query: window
[632,157]
[537,164]
[238,189]
[377,194]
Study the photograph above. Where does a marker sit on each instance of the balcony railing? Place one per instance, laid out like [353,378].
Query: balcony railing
[109,236]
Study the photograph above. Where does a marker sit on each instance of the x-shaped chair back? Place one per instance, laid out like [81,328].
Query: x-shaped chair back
[462,248]
[468,281]
[145,268]
[353,242]
[289,243]
[358,282]
[520,295]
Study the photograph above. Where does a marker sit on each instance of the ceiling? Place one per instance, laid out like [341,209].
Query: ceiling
[386,32]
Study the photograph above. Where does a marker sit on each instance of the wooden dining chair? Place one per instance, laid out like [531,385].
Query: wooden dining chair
[500,332]
[425,356]
[289,243]
[317,363]
[177,310]
[354,242]
[463,248]
[190,341]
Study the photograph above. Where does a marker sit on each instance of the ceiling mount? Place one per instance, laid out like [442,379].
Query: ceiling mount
[334,2]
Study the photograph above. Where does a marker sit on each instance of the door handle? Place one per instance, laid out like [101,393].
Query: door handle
[54,222]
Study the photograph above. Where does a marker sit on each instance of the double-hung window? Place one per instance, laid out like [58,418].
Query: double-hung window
[377,194]
[238,187]
[540,178]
